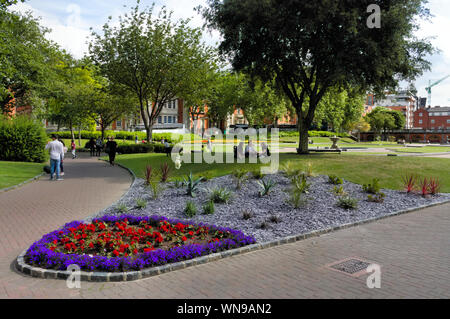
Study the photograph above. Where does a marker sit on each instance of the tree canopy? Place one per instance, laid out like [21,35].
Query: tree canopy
[150,56]
[312,46]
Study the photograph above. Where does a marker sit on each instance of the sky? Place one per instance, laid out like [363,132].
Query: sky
[70,21]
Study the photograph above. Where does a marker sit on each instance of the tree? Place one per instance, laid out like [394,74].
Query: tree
[310,47]
[27,59]
[359,126]
[196,99]
[7,3]
[383,120]
[152,57]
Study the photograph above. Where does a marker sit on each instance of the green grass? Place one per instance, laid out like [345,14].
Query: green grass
[423,150]
[13,173]
[359,169]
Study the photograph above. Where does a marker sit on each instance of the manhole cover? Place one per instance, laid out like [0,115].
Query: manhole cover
[351,266]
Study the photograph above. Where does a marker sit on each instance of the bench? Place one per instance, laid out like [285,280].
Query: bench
[326,151]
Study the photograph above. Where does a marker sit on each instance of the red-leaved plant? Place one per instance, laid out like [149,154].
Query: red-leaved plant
[148,174]
[424,187]
[434,186]
[165,171]
[409,182]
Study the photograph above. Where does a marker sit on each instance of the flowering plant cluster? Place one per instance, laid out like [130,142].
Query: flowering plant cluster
[126,243]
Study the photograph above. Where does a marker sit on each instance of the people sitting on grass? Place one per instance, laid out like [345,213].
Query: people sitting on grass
[265,150]
[250,150]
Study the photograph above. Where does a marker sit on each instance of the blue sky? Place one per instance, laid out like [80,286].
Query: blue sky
[70,21]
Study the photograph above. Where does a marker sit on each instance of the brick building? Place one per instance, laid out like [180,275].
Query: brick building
[435,118]
[403,101]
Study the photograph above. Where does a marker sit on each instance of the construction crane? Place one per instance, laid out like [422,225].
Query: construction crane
[433,85]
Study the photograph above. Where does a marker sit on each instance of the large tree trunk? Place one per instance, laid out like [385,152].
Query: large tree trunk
[303,147]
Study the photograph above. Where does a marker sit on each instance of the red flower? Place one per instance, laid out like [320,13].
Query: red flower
[184,238]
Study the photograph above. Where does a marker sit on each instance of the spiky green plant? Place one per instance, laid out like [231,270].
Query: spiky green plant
[266,187]
[209,208]
[220,195]
[190,209]
[239,176]
[192,184]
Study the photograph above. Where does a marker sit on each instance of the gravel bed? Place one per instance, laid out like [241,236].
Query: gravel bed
[319,212]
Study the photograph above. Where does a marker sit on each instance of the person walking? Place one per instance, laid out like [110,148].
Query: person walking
[111,149]
[56,151]
[74,148]
[92,146]
[65,149]
[99,146]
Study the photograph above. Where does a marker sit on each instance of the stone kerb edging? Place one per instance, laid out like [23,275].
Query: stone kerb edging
[23,183]
[150,272]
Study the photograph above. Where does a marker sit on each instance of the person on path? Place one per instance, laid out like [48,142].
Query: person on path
[56,151]
[99,146]
[92,146]
[111,148]
[167,148]
[74,147]
[209,146]
[65,149]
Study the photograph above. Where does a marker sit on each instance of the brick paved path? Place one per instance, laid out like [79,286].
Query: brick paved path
[412,249]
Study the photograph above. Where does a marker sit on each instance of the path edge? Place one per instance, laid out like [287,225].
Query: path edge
[7,189]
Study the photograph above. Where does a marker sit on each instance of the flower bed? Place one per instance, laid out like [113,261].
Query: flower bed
[128,243]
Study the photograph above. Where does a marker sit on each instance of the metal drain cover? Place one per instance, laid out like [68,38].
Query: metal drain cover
[351,266]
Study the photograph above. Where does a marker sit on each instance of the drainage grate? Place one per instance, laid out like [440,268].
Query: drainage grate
[351,266]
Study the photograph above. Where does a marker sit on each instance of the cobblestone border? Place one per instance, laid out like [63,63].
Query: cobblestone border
[22,184]
[155,271]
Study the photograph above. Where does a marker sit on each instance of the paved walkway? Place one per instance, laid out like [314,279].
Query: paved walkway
[412,249]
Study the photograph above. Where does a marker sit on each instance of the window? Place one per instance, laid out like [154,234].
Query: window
[433,121]
[174,119]
[159,120]
[448,121]
[420,122]
[170,119]
[420,114]
[165,119]
[119,123]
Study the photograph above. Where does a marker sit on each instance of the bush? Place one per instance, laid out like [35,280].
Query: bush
[190,210]
[373,188]
[333,179]
[220,195]
[22,139]
[208,208]
[347,202]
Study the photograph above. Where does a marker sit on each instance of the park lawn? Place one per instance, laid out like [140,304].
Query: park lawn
[14,173]
[425,149]
[358,169]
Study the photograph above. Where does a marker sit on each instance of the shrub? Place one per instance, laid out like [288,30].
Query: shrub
[246,215]
[148,173]
[373,188]
[309,171]
[299,187]
[275,219]
[165,172]
[141,203]
[424,187]
[434,186]
[122,208]
[339,191]
[192,184]
[208,208]
[333,179]
[290,170]
[347,202]
[156,188]
[240,176]
[300,183]
[264,225]
[220,195]
[190,210]
[409,182]
[377,198]
[22,139]
[266,187]
[257,174]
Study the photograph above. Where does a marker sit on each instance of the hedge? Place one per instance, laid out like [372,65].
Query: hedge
[22,139]
[313,134]
[122,135]
[140,148]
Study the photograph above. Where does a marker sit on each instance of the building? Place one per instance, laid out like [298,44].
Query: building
[432,119]
[403,101]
